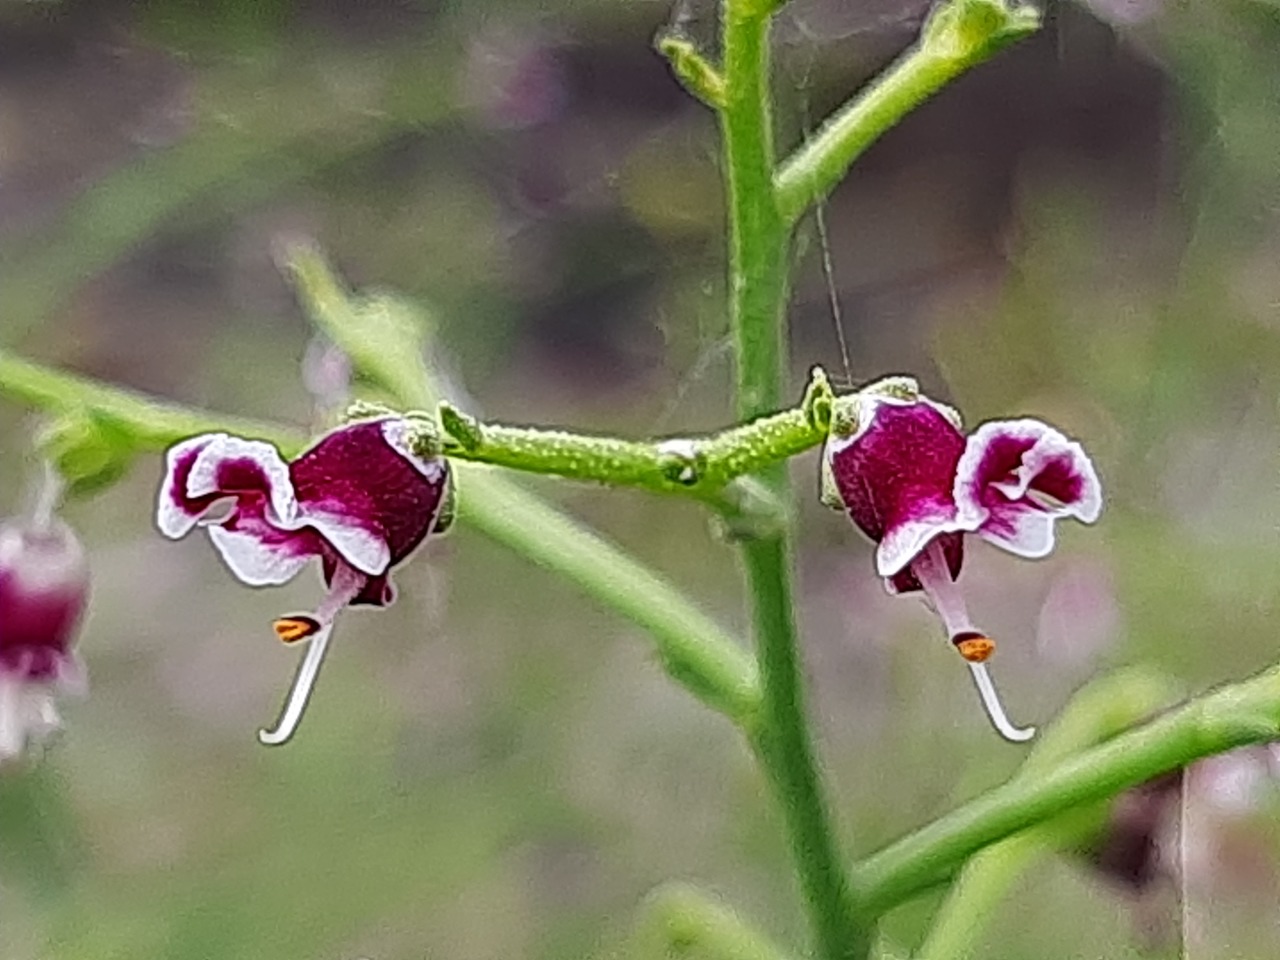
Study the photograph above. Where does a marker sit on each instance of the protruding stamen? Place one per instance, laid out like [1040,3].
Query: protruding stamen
[295,628]
[346,585]
[931,568]
[973,646]
[995,711]
[300,693]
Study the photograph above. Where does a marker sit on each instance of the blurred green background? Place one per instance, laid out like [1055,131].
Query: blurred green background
[1086,229]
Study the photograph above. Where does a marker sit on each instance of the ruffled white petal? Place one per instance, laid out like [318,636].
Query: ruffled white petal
[203,480]
[363,550]
[904,541]
[1012,512]
[172,519]
[253,561]
[1021,531]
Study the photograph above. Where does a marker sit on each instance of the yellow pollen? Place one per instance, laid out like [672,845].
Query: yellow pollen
[293,629]
[975,648]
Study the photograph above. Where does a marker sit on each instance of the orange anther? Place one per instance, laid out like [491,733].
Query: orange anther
[293,629]
[974,647]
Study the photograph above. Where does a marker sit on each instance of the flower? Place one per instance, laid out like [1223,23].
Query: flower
[899,465]
[44,582]
[360,500]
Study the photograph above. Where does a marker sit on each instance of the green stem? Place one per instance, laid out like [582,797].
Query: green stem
[1097,713]
[783,746]
[699,466]
[959,35]
[758,272]
[693,649]
[1233,716]
[152,424]
[758,237]
[385,339]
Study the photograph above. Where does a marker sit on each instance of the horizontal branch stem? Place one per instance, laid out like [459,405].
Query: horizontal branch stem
[1232,716]
[694,650]
[153,423]
[697,465]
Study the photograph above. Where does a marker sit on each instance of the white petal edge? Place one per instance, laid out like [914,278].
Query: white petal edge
[1032,536]
[363,550]
[252,562]
[1047,444]
[203,479]
[171,519]
[907,540]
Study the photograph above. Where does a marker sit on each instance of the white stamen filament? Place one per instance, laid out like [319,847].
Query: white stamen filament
[49,486]
[995,711]
[935,576]
[346,585]
[300,693]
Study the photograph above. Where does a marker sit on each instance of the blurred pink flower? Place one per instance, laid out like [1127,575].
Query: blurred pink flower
[44,582]
[360,500]
[913,483]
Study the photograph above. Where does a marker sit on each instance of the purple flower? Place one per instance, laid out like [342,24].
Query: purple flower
[899,464]
[360,500]
[44,581]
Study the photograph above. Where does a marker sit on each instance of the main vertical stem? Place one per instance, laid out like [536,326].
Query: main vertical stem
[758,273]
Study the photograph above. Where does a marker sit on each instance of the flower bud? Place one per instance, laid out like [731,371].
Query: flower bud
[44,582]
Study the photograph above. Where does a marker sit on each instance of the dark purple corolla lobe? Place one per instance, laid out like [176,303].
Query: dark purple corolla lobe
[895,480]
[44,583]
[913,482]
[360,500]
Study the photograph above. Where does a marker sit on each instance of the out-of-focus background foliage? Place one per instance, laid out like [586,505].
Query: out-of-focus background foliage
[1085,230]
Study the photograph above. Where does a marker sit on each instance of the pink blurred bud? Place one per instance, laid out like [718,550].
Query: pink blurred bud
[44,582]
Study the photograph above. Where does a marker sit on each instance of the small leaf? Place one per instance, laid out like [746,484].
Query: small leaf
[90,448]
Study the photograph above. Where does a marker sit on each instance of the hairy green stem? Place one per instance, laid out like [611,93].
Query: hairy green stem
[759,241]
[959,35]
[1232,716]
[692,465]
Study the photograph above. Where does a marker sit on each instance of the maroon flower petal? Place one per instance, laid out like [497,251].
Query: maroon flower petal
[896,476]
[1017,478]
[177,512]
[207,469]
[44,582]
[905,580]
[363,479]
[359,499]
